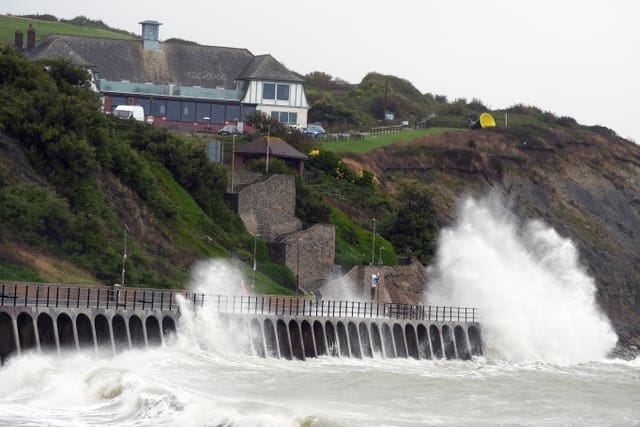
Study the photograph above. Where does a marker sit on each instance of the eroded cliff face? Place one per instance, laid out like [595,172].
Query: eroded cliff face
[584,185]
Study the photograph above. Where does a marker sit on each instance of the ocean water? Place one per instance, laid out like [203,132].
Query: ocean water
[545,363]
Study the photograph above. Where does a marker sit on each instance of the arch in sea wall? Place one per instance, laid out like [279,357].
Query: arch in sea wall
[399,333]
[54,329]
[301,337]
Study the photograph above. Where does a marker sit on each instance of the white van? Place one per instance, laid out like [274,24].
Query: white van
[130,112]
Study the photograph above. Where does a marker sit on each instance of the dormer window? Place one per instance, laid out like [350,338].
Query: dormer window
[277,91]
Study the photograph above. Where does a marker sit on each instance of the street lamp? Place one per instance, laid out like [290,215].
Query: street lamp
[373,244]
[124,254]
[380,255]
[298,264]
[255,241]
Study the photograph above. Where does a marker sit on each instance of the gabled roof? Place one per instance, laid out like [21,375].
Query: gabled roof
[265,67]
[277,148]
[183,64]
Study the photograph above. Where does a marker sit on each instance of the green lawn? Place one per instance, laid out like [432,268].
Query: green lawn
[9,25]
[373,142]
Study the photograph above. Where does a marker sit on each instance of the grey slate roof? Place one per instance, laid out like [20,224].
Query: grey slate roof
[180,63]
[265,67]
[277,148]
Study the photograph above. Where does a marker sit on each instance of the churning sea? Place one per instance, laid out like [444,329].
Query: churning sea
[545,363]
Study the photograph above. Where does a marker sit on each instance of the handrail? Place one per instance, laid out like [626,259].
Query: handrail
[102,297]
[293,306]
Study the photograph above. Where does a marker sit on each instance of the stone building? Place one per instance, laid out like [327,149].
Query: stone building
[266,204]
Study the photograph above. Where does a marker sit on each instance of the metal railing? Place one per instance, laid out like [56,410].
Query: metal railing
[305,307]
[38,295]
[102,297]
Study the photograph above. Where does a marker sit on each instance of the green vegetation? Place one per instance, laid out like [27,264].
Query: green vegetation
[85,156]
[10,272]
[373,142]
[9,25]
[353,244]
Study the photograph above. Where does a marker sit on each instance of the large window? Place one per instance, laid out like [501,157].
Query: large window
[233,112]
[279,91]
[158,107]
[285,117]
[188,111]
[173,111]
[269,91]
[203,113]
[282,92]
[115,101]
[145,103]
[217,114]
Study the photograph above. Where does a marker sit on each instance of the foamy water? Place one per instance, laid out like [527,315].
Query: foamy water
[536,301]
[545,364]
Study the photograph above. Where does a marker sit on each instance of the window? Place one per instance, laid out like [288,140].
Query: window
[217,114]
[173,111]
[233,112]
[188,112]
[115,101]
[203,112]
[269,91]
[158,107]
[285,117]
[246,111]
[283,92]
[145,103]
[279,91]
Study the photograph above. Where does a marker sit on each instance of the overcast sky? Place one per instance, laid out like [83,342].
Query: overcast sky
[573,58]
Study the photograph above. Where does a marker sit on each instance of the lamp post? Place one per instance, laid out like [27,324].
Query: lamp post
[298,263]
[380,255]
[124,254]
[266,169]
[233,160]
[255,241]
[373,243]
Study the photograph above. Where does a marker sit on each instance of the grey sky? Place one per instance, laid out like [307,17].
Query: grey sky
[573,58]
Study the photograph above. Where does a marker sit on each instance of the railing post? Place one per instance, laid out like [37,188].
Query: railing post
[37,294]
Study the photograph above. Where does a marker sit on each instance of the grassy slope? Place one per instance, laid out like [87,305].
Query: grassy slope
[9,25]
[373,142]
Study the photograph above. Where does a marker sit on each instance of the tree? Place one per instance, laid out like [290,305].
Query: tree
[414,230]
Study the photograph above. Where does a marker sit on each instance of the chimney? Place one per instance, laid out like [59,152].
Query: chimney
[150,35]
[31,37]
[19,40]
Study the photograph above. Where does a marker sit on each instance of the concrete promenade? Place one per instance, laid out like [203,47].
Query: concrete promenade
[110,319]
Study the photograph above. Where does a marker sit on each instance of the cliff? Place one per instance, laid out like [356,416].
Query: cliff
[584,183]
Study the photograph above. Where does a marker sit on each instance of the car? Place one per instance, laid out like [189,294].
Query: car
[315,130]
[228,130]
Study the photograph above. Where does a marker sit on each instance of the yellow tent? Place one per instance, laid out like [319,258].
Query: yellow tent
[486,120]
